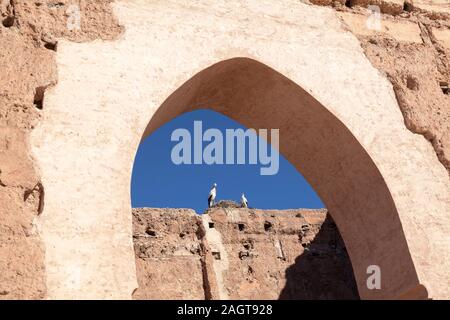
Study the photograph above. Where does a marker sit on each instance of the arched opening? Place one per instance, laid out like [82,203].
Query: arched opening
[324,150]
[281,245]
[160,181]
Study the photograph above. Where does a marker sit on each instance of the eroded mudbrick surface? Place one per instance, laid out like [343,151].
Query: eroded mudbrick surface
[28,42]
[411,48]
[251,254]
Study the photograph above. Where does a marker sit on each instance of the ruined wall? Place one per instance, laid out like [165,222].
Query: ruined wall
[28,42]
[411,49]
[261,254]
[286,254]
[168,254]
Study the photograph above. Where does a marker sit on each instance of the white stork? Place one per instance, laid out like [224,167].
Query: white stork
[244,201]
[212,196]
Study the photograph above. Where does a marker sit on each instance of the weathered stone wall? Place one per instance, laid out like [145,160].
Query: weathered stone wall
[87,117]
[281,254]
[168,254]
[261,254]
[28,42]
[412,48]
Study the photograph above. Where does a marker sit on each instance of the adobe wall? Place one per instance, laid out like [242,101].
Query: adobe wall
[237,253]
[169,256]
[28,36]
[99,97]
[279,254]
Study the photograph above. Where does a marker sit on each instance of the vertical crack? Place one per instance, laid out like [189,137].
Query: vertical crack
[203,252]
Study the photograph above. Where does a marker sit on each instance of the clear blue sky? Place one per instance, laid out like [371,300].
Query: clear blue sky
[158,182]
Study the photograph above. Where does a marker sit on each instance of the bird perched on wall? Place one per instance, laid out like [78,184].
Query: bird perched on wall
[212,196]
[244,201]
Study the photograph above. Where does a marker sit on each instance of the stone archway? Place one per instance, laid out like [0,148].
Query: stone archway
[323,149]
[93,119]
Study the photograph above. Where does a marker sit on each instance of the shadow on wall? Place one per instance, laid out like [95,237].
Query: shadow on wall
[323,271]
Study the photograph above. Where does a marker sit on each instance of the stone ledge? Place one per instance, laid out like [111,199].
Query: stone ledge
[392,7]
[442,36]
[433,9]
[400,31]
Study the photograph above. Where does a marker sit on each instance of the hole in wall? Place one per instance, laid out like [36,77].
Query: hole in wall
[267,226]
[412,83]
[216,255]
[51,45]
[305,227]
[444,87]
[349,3]
[211,225]
[250,270]
[407,6]
[56,5]
[9,21]
[39,97]
[241,226]
[244,254]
